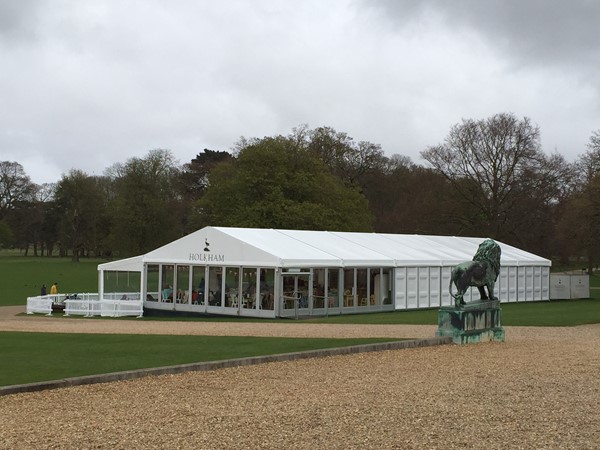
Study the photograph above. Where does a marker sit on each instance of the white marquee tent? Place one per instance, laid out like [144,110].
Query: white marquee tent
[279,273]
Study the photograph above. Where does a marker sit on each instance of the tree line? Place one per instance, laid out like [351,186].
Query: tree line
[488,178]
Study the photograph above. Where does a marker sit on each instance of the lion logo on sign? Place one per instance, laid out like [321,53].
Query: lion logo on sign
[482,272]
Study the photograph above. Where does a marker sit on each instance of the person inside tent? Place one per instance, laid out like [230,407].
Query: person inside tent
[167,294]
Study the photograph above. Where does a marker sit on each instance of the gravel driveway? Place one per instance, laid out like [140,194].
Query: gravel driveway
[540,389]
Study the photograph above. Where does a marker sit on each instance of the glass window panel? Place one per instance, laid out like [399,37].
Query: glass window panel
[333,293]
[319,288]
[183,284]
[215,277]
[267,289]
[249,277]
[198,285]
[152,283]
[232,294]
[362,291]
[168,272]
[374,287]
[387,287]
[349,289]
[302,292]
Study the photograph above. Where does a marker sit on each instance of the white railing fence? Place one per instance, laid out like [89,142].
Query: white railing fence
[120,308]
[82,307]
[42,304]
[117,304]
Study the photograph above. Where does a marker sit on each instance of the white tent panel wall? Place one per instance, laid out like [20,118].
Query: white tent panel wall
[447,300]
[412,288]
[521,284]
[537,283]
[512,284]
[501,288]
[423,287]
[528,283]
[435,286]
[400,288]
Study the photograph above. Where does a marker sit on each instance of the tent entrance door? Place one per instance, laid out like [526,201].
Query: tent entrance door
[295,294]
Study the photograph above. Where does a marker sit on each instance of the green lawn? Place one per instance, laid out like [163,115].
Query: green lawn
[33,357]
[595,280]
[556,313]
[23,277]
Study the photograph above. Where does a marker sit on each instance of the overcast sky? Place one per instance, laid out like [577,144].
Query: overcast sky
[86,84]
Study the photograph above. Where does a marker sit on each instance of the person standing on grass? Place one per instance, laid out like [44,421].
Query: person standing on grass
[43,291]
[54,289]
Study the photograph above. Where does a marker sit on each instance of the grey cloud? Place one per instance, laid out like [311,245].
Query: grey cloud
[534,31]
[17,19]
[114,79]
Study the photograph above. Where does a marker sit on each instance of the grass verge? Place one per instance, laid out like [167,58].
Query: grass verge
[34,357]
[556,313]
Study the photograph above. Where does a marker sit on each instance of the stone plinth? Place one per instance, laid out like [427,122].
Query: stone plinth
[474,322]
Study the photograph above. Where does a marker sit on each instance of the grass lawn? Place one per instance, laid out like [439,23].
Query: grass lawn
[556,313]
[23,277]
[33,357]
[595,280]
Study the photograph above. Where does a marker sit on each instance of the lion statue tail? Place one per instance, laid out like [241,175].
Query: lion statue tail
[450,289]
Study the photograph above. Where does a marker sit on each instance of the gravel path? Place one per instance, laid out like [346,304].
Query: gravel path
[540,389]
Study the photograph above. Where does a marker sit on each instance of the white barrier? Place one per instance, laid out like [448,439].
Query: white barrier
[41,305]
[82,307]
[120,308]
[569,286]
[89,304]
[80,304]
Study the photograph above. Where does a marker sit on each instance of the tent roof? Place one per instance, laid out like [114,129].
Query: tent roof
[296,248]
[134,264]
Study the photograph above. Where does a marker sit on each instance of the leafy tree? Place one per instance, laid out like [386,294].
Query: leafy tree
[411,199]
[348,160]
[146,203]
[277,182]
[6,235]
[579,229]
[22,206]
[15,186]
[25,219]
[46,230]
[195,174]
[33,221]
[79,207]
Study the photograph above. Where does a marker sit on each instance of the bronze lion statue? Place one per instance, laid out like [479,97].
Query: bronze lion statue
[482,272]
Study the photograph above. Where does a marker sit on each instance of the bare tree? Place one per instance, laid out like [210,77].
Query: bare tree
[489,163]
[589,162]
